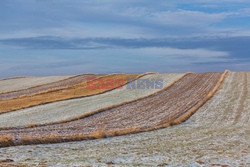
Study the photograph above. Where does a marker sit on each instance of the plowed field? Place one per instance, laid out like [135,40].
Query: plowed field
[75,91]
[45,87]
[155,111]
[14,84]
[64,110]
[217,134]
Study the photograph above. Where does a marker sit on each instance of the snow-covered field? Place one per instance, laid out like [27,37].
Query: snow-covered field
[63,110]
[218,134]
[27,82]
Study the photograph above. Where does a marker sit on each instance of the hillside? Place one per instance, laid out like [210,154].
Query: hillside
[216,134]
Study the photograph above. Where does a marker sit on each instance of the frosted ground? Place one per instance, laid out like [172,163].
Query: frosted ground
[217,134]
[63,110]
[27,82]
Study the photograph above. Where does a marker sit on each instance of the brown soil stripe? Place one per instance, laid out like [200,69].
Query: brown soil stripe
[156,111]
[191,111]
[99,110]
[76,91]
[46,87]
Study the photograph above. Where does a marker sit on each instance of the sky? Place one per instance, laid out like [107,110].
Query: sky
[64,37]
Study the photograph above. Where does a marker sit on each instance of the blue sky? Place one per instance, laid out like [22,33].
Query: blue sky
[61,37]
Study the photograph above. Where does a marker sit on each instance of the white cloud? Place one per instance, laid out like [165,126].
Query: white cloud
[173,55]
[122,19]
[108,60]
[176,52]
[82,31]
[188,18]
[173,17]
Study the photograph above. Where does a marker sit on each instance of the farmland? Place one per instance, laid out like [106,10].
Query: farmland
[12,84]
[126,118]
[64,110]
[46,87]
[216,135]
[74,91]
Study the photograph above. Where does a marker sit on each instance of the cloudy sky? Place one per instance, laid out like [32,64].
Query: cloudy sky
[59,37]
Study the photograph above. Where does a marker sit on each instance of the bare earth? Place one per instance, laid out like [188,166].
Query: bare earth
[74,91]
[27,82]
[160,108]
[64,110]
[38,89]
[218,134]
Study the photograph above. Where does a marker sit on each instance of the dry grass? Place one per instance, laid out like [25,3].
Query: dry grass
[46,87]
[72,92]
[147,114]
[26,140]
[87,114]
[95,134]
[209,137]
[6,141]
[116,105]
[52,138]
[31,124]
[189,113]
[35,86]
[64,110]
[101,133]
[24,83]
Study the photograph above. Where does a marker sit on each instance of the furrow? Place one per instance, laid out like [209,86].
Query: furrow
[72,92]
[46,87]
[203,140]
[162,108]
[73,109]
[19,83]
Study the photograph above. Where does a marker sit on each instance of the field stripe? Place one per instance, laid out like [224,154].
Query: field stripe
[65,111]
[208,137]
[242,99]
[146,114]
[185,116]
[72,92]
[47,87]
[20,83]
